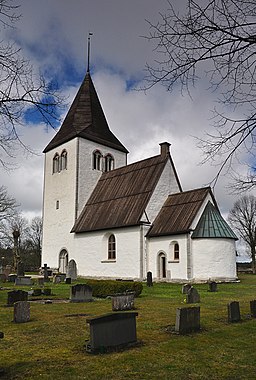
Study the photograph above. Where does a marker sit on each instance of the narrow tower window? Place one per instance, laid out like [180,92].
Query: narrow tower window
[176,251]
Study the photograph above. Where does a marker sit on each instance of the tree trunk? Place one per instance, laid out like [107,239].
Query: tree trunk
[253,258]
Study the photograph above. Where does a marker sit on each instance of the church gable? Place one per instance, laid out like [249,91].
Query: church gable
[179,212]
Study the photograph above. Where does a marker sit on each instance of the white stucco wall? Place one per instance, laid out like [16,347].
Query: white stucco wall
[57,223]
[166,185]
[175,269]
[87,177]
[214,259]
[91,254]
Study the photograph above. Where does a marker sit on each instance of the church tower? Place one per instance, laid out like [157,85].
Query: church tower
[75,158]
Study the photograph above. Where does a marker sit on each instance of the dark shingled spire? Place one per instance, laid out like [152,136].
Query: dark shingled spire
[86,119]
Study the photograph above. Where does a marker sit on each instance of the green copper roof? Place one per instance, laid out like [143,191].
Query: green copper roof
[212,225]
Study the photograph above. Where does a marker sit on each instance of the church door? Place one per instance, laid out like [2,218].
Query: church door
[162,265]
[63,261]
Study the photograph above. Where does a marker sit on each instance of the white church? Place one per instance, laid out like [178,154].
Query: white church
[120,221]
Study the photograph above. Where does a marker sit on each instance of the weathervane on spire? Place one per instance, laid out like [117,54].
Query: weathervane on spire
[88,52]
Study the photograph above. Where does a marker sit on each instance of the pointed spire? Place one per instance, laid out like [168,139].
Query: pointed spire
[86,119]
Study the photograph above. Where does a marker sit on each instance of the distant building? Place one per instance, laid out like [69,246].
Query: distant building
[122,221]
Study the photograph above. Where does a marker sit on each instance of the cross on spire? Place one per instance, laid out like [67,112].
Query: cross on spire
[88,51]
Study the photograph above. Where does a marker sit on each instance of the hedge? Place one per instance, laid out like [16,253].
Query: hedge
[105,288]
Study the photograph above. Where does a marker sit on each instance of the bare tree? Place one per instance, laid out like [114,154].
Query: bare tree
[8,205]
[33,235]
[22,90]
[216,40]
[243,219]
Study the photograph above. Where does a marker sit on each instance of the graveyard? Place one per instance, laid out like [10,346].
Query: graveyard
[51,342]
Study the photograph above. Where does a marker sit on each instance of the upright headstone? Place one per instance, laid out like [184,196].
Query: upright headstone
[253,308]
[68,280]
[149,279]
[15,296]
[234,312]
[212,286]
[12,277]
[80,293]
[193,296]
[45,271]
[187,320]
[122,302]
[23,280]
[56,279]
[21,312]
[186,288]
[20,268]
[72,270]
[112,331]
[3,277]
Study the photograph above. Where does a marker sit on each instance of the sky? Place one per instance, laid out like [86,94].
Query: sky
[53,36]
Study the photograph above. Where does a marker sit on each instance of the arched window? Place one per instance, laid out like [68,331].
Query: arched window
[63,261]
[111,247]
[176,251]
[96,160]
[63,160]
[55,166]
[109,162]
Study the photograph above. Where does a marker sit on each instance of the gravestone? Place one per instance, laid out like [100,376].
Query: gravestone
[23,280]
[80,293]
[68,280]
[193,296]
[21,312]
[149,279]
[72,270]
[11,277]
[45,271]
[186,288]
[40,281]
[253,308]
[212,286]
[15,296]
[20,269]
[56,279]
[234,312]
[187,320]
[123,301]
[111,331]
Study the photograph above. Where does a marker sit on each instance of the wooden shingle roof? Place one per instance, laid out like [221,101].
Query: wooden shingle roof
[121,196]
[86,119]
[178,212]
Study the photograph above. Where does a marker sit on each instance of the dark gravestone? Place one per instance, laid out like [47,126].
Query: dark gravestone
[114,330]
[20,269]
[234,312]
[212,286]
[123,302]
[186,288]
[68,280]
[72,270]
[12,277]
[253,308]
[193,296]
[45,271]
[21,312]
[80,293]
[15,296]
[149,279]
[3,277]
[187,320]
[23,280]
[56,279]
[40,281]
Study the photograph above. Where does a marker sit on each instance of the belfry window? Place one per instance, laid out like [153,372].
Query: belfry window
[63,160]
[112,247]
[56,161]
[109,162]
[97,159]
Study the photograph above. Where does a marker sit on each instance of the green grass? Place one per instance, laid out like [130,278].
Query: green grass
[51,345]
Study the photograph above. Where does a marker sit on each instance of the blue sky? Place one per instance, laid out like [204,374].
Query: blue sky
[53,35]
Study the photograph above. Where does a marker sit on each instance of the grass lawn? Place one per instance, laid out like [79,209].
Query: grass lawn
[51,345]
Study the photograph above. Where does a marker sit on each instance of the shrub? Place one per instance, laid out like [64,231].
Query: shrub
[104,288]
